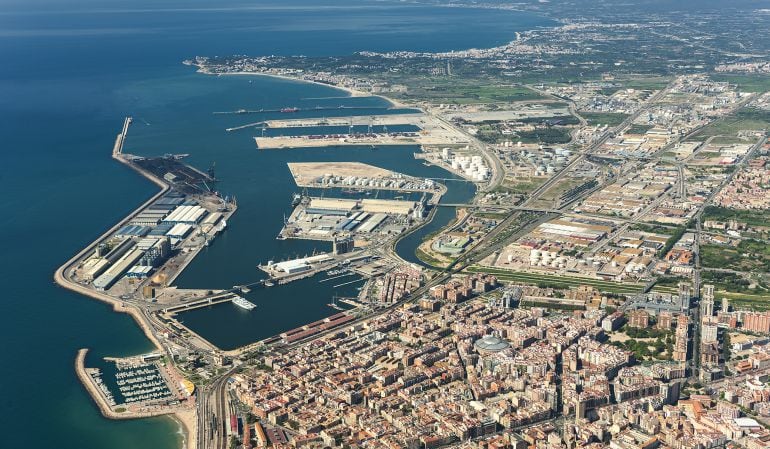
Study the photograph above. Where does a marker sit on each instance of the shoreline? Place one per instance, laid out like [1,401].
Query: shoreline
[61,279]
[184,418]
[353,93]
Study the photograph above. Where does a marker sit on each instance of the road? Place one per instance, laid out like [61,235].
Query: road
[594,146]
[498,173]
[213,407]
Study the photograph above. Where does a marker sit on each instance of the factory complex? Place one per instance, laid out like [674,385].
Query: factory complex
[330,218]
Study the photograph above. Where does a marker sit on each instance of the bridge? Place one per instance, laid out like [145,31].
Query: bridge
[203,302]
[449,179]
[501,207]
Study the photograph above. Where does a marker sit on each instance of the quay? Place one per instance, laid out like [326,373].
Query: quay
[291,110]
[117,263]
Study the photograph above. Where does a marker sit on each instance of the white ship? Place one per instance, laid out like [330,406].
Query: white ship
[243,303]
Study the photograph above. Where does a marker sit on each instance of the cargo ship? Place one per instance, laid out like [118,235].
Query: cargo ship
[289,109]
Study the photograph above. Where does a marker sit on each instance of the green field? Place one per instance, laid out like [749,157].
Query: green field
[759,218]
[644,83]
[729,140]
[468,94]
[744,119]
[665,289]
[744,292]
[548,135]
[745,301]
[603,118]
[748,255]
[668,284]
[559,281]
[746,83]
[428,259]
[638,129]
[519,186]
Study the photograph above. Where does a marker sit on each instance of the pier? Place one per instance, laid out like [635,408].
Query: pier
[291,110]
[121,138]
[106,404]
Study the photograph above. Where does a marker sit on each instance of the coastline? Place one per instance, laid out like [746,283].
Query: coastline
[352,92]
[187,422]
[185,418]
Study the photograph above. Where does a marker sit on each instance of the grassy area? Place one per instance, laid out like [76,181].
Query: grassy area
[744,119]
[551,305]
[655,83]
[743,293]
[559,281]
[638,129]
[430,260]
[665,289]
[548,135]
[467,94]
[492,215]
[746,83]
[748,255]
[519,186]
[758,218]
[604,118]
[651,227]
[728,140]
[724,281]
[668,284]
[746,301]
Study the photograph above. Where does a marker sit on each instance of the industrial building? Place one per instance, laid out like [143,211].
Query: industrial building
[211,220]
[372,223]
[156,250]
[133,230]
[179,231]
[139,272]
[118,269]
[299,265]
[186,214]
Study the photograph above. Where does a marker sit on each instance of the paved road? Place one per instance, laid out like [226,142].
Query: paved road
[213,412]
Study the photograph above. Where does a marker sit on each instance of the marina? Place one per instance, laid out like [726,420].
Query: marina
[96,375]
[80,84]
[142,384]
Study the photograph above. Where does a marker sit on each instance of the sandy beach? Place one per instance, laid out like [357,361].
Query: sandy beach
[348,90]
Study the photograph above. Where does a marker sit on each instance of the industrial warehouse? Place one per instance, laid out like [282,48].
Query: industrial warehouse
[125,260]
[329,218]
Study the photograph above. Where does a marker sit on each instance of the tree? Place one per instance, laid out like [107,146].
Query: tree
[726,354]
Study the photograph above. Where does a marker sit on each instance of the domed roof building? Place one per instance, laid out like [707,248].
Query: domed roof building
[490,344]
